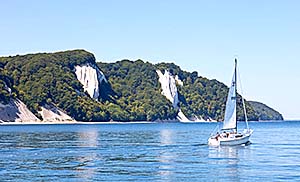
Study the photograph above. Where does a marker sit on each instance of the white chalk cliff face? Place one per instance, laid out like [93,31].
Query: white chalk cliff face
[90,77]
[50,113]
[16,111]
[181,116]
[169,89]
[168,86]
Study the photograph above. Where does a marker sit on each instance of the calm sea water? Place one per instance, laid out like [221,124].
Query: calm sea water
[146,152]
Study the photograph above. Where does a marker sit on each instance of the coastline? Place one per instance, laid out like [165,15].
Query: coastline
[97,122]
[118,122]
[75,122]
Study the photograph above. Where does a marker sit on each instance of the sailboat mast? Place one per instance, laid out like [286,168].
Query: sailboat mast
[235,82]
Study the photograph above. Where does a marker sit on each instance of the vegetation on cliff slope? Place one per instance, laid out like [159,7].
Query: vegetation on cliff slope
[202,97]
[133,92]
[49,78]
[137,90]
[264,112]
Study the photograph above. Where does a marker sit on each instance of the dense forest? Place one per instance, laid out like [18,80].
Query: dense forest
[5,82]
[38,79]
[202,97]
[132,93]
[264,112]
[137,90]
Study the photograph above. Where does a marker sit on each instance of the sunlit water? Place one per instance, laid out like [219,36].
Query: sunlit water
[146,152]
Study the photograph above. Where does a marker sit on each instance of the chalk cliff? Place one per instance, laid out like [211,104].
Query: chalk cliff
[90,77]
[169,90]
[51,113]
[16,111]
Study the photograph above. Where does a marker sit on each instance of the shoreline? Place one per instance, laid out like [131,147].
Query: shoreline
[91,123]
[68,122]
[119,122]
[79,122]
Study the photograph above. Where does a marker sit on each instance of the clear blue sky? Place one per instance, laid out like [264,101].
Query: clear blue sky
[202,36]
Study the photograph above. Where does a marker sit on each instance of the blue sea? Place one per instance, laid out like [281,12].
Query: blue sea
[146,152]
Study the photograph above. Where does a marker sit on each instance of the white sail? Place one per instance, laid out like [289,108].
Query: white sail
[230,111]
[231,137]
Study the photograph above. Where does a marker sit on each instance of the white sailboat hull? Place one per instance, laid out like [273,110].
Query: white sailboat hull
[239,141]
[234,139]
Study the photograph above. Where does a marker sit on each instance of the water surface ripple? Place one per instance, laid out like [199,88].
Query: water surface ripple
[146,152]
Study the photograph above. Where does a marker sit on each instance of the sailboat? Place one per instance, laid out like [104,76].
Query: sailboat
[229,135]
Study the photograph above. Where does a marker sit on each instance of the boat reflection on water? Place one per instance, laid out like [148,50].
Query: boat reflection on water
[228,161]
